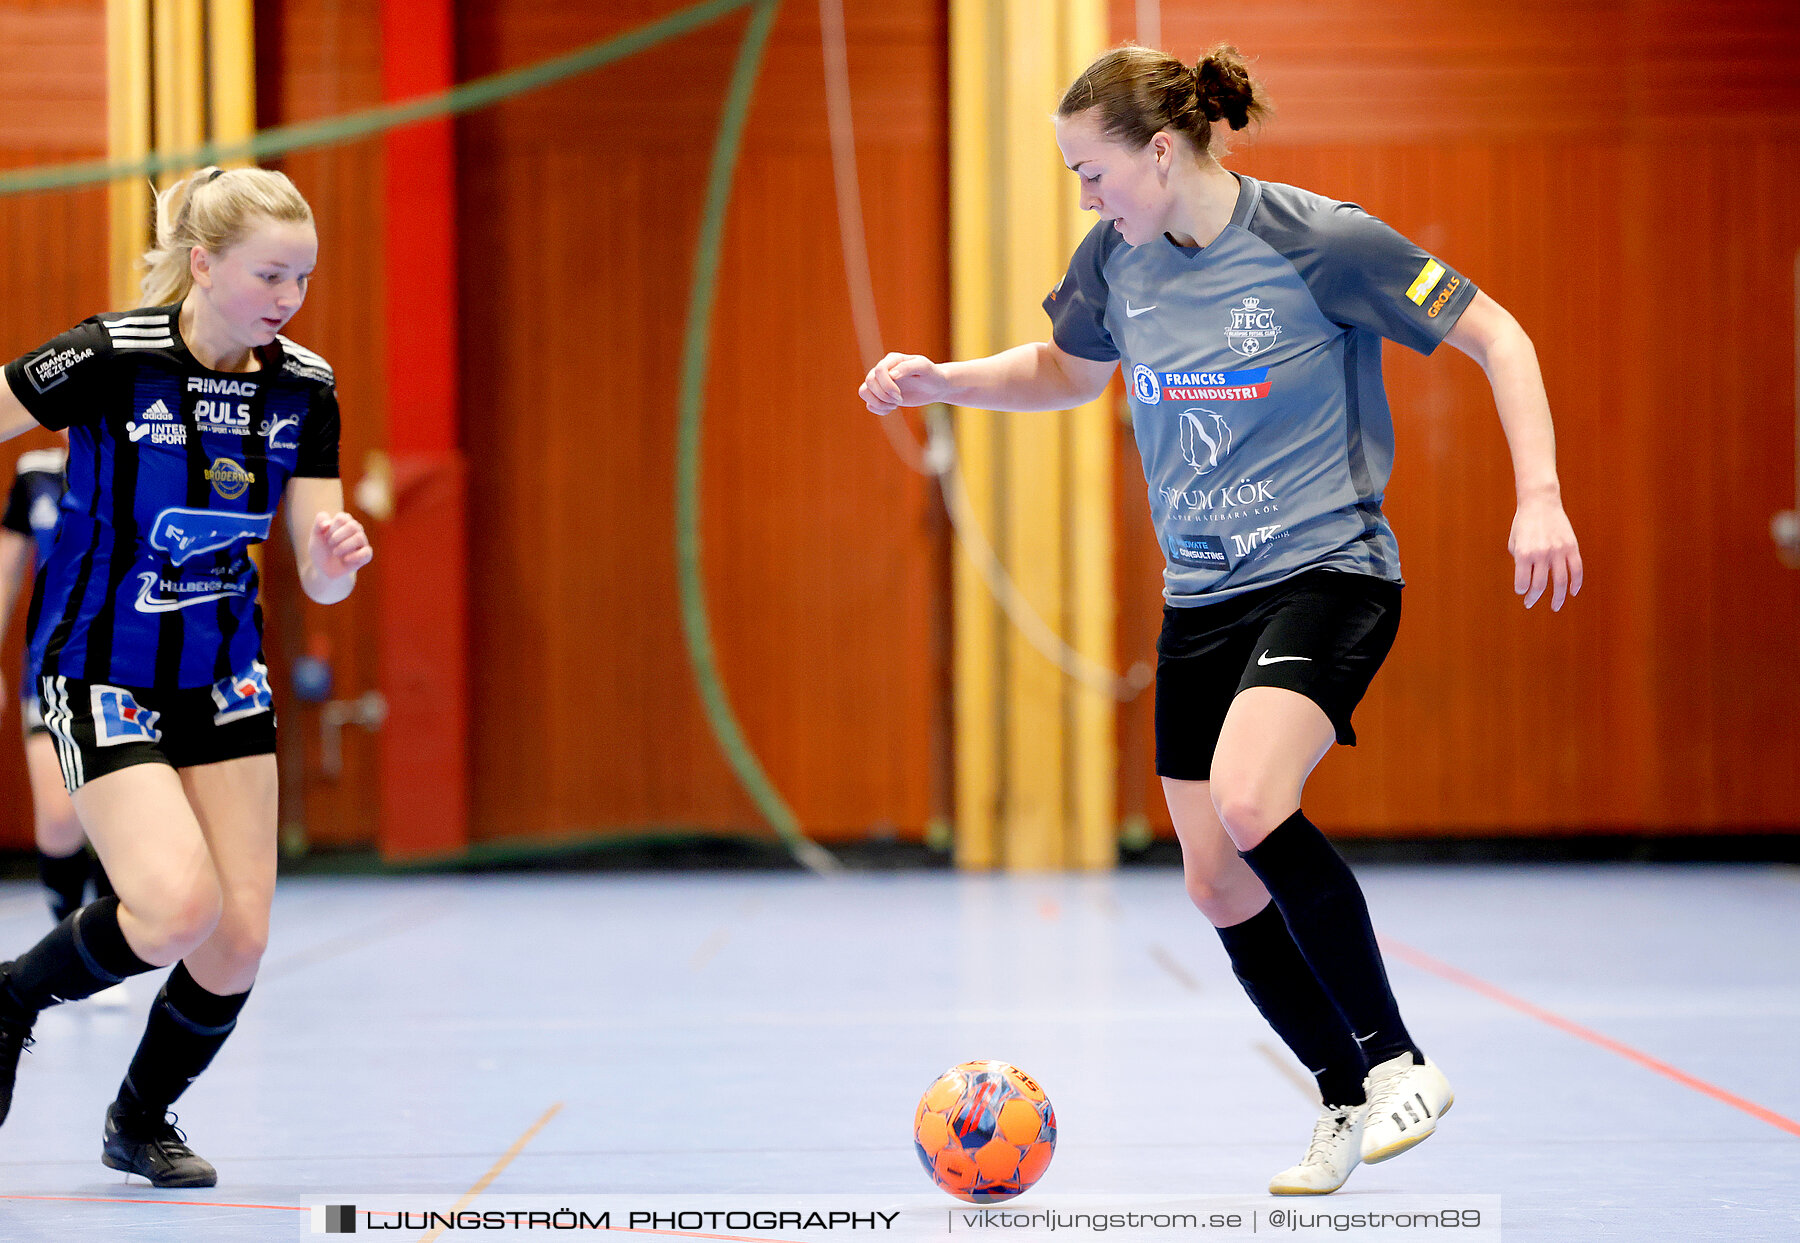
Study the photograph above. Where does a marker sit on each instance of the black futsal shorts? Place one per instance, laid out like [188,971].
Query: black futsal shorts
[100,729]
[1322,634]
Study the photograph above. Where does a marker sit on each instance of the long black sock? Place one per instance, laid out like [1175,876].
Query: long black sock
[80,956]
[1269,966]
[1324,909]
[187,1026]
[65,878]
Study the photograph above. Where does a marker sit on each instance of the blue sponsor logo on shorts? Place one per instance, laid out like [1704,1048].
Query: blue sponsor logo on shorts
[118,718]
[242,695]
[1205,552]
[188,533]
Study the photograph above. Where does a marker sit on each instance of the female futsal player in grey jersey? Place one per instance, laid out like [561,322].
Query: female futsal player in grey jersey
[1248,318]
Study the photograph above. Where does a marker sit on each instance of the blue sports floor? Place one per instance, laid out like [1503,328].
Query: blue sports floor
[1622,1041]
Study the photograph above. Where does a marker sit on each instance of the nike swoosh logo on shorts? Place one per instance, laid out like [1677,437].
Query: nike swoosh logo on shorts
[1266,659]
[1133,314]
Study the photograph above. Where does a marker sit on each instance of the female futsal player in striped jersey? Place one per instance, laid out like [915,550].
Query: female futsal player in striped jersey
[190,420]
[1248,318]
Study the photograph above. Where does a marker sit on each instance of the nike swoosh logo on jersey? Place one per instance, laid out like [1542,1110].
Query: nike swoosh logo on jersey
[1133,313]
[1266,659]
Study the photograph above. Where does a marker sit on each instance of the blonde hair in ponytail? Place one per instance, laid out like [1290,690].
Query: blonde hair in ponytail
[214,208]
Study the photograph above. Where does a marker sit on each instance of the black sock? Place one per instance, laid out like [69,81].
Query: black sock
[65,878]
[186,1028]
[1325,911]
[82,955]
[1269,966]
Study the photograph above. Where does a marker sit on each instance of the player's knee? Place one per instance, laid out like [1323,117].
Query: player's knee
[59,833]
[1205,888]
[185,917]
[240,943]
[1224,896]
[1249,811]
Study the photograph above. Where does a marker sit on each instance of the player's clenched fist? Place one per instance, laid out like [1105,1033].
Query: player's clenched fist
[903,380]
[339,545]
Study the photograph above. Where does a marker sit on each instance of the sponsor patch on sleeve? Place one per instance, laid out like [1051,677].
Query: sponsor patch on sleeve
[1444,296]
[52,367]
[1425,282]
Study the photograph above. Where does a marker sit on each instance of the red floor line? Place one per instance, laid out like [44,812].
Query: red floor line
[1456,975]
[303,1208]
[286,1208]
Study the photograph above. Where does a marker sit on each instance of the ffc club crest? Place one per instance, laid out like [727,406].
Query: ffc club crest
[1253,328]
[1205,439]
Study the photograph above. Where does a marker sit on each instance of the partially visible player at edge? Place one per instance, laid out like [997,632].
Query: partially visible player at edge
[27,531]
[189,420]
[1248,317]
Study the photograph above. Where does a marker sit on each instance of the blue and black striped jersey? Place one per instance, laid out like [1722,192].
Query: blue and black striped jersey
[32,510]
[174,472]
[32,505]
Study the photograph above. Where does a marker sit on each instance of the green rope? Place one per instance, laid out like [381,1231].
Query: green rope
[694,353]
[696,347]
[282,139]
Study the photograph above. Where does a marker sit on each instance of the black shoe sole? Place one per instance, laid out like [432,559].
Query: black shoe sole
[120,1163]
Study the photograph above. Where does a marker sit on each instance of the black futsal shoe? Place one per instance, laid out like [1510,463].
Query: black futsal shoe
[15,1038]
[153,1147]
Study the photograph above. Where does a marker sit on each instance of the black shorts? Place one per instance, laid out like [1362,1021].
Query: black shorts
[1322,634]
[99,729]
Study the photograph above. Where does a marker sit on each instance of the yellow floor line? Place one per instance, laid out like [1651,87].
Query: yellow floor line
[481,1184]
[1302,1083]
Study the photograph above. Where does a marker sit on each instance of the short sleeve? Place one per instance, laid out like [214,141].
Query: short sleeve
[1077,306]
[318,456]
[60,382]
[18,509]
[1369,276]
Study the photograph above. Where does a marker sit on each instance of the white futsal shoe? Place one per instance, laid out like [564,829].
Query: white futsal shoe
[1405,1103]
[1335,1149]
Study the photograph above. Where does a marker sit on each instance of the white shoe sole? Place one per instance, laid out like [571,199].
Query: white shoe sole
[1410,1141]
[1304,1191]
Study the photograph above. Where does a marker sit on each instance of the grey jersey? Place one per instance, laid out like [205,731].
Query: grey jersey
[1254,370]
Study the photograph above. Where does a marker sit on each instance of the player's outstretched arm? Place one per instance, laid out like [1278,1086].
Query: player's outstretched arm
[1038,376]
[1542,543]
[14,417]
[329,545]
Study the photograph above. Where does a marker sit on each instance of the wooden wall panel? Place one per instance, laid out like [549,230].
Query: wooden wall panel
[1621,178]
[52,260]
[320,58]
[580,210]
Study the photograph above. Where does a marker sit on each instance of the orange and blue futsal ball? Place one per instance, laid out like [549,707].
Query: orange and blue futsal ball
[985,1131]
